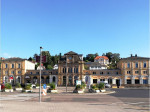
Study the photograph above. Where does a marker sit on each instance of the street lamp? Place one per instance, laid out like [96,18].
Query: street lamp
[66,73]
[40,73]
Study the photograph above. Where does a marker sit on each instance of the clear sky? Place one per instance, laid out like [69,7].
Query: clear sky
[82,26]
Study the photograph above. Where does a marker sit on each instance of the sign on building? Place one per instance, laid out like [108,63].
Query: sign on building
[78,82]
[43,59]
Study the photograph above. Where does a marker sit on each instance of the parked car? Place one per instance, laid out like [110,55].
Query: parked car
[2,86]
[107,85]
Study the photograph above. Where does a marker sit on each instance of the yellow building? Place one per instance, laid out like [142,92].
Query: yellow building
[13,70]
[72,65]
[135,70]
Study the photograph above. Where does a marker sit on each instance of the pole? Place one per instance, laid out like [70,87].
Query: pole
[40,74]
[66,73]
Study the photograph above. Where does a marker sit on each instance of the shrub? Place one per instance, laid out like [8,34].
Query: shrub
[83,84]
[8,86]
[78,87]
[37,84]
[52,86]
[93,86]
[101,85]
[28,87]
[18,85]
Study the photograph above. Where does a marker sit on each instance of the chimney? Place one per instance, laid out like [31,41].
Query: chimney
[131,55]
[135,55]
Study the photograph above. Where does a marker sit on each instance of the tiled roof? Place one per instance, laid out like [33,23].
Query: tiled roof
[14,59]
[98,57]
[71,53]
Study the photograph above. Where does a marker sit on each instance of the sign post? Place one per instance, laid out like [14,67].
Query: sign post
[44,89]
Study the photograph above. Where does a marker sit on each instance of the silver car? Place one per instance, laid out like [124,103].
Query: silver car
[107,85]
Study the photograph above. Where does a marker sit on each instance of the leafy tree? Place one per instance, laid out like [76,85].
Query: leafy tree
[30,59]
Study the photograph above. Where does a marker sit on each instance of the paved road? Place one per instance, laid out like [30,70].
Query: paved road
[135,97]
[124,100]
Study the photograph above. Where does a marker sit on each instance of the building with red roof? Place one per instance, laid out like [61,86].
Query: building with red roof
[102,60]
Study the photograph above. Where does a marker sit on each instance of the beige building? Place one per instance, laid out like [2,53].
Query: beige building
[13,70]
[135,70]
[47,76]
[72,65]
[112,77]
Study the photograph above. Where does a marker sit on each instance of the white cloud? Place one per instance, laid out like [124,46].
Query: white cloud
[6,55]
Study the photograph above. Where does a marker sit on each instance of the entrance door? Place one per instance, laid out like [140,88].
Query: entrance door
[64,80]
[118,82]
[70,80]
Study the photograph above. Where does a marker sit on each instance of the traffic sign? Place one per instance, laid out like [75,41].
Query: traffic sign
[44,86]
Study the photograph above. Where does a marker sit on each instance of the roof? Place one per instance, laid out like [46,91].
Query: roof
[134,58]
[14,59]
[105,57]
[71,53]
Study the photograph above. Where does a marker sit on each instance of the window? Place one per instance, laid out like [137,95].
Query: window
[136,65]
[94,80]
[76,70]
[12,72]
[128,81]
[102,79]
[19,72]
[136,72]
[128,65]
[19,65]
[94,72]
[107,72]
[137,81]
[37,72]
[70,58]
[128,72]
[144,65]
[6,72]
[101,72]
[43,72]
[116,72]
[6,65]
[144,72]
[145,81]
[12,65]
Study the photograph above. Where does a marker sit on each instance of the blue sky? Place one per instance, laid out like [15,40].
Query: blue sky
[83,26]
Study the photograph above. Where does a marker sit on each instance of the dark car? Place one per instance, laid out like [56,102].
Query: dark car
[2,87]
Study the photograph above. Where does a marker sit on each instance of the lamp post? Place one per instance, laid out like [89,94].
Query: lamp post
[66,73]
[40,74]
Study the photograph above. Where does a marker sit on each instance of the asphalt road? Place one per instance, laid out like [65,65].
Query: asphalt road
[123,100]
[135,97]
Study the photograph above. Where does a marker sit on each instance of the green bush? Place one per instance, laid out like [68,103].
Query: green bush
[18,85]
[8,86]
[28,87]
[93,86]
[101,85]
[78,87]
[37,84]
[83,84]
[52,86]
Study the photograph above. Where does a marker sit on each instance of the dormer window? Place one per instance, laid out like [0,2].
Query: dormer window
[69,58]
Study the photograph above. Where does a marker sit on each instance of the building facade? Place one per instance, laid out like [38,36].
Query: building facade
[131,71]
[70,68]
[47,76]
[135,70]
[13,70]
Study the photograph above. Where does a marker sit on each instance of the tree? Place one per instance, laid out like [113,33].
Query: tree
[30,59]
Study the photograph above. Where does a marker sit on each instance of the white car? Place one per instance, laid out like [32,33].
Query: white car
[107,85]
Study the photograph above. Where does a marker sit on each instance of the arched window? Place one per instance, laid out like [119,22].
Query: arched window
[64,80]
[54,79]
[47,79]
